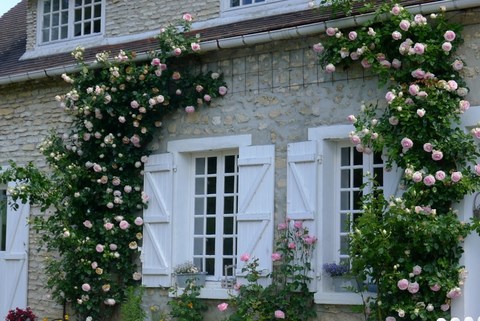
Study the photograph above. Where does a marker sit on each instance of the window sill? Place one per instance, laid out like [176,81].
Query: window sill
[212,290]
[340,298]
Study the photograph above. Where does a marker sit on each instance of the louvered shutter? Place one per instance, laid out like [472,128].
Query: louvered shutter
[302,182]
[255,208]
[14,260]
[157,229]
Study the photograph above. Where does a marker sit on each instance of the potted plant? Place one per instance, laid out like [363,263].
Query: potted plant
[21,315]
[189,271]
[342,281]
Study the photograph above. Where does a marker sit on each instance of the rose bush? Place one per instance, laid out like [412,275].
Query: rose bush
[93,190]
[410,244]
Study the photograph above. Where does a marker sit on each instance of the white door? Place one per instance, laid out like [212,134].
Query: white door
[13,255]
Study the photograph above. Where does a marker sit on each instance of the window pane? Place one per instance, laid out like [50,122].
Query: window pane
[78,15]
[211,185]
[357,158]
[344,244]
[198,226]
[345,178]
[345,156]
[212,165]
[377,158]
[64,17]
[345,201]
[344,222]
[46,21]
[199,206]
[211,205]
[64,31]
[228,225]
[210,226]
[357,198]
[228,262]
[56,5]
[228,205]
[357,177]
[77,30]
[97,11]
[87,28]
[378,174]
[210,246]
[78,3]
[229,184]
[227,246]
[88,1]
[47,6]
[234,3]
[199,166]
[246,1]
[198,262]
[88,13]
[210,266]
[198,246]
[55,19]
[65,4]
[96,26]
[45,35]
[199,186]
[54,33]
[230,164]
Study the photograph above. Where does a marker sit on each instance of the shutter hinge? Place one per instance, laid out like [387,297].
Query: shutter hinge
[174,168]
[320,159]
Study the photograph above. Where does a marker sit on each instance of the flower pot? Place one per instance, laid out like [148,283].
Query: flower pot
[344,284]
[198,278]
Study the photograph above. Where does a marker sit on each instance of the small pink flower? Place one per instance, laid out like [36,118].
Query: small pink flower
[402,284]
[291,245]
[245,257]
[447,46]
[330,68]
[113,247]
[390,319]
[138,221]
[355,139]
[452,85]
[449,35]
[418,73]
[279,314]
[445,307]
[417,177]
[87,224]
[457,65]
[477,169]
[177,51]
[137,276]
[176,75]
[456,177]
[406,143]
[404,25]
[222,90]
[417,270]
[282,226]
[421,112]
[440,175]
[276,256]
[435,288]
[189,109]
[437,155]
[298,224]
[352,119]
[365,64]
[108,226]
[222,306]
[318,48]
[331,31]
[134,104]
[352,35]
[476,132]
[99,248]
[413,89]
[393,121]
[396,63]
[429,180]
[428,147]
[396,35]
[86,287]
[309,239]
[413,287]
[419,48]
[155,62]
[390,96]
[187,17]
[195,46]
[395,11]
[207,98]
[124,225]
[94,265]
[463,105]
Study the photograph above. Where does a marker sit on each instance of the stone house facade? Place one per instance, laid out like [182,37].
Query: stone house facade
[282,114]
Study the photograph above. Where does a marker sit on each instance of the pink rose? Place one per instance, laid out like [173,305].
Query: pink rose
[406,143]
[279,314]
[413,89]
[330,68]
[87,224]
[99,248]
[476,132]
[124,225]
[318,48]
[435,288]
[222,306]
[457,65]
[404,25]
[331,31]
[419,48]
[456,177]
[177,51]
[195,46]
[418,73]
[138,221]
[437,155]
[155,62]
[189,109]
[454,293]
[352,119]
[86,287]
[477,169]
[463,105]
[355,139]
[276,256]
[429,180]
[108,226]
[187,17]
[395,11]
[440,175]
[134,104]
[94,265]
[298,224]
[452,85]
[222,90]
[447,46]
[113,247]
[428,147]
[282,226]
[393,121]
[403,284]
[207,98]
[417,177]
[245,257]
[385,63]
[396,63]
[417,270]
[449,35]
[445,307]
[421,112]
[309,239]
[352,35]
[396,35]
[413,287]
[390,319]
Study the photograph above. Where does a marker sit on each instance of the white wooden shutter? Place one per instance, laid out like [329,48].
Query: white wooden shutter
[157,229]
[14,260]
[255,208]
[391,180]
[302,182]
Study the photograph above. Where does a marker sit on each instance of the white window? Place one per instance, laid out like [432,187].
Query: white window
[69,19]
[249,9]
[211,200]
[331,172]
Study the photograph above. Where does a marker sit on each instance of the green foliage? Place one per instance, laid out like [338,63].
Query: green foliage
[410,245]
[131,309]
[288,292]
[93,190]
[186,306]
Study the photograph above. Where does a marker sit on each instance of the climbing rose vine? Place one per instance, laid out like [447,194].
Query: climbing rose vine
[94,190]
[410,243]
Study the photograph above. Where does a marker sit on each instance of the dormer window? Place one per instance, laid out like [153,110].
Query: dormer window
[69,19]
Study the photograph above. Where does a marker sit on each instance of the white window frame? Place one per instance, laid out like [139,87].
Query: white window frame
[93,37]
[266,8]
[327,138]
